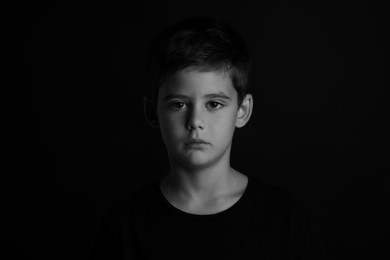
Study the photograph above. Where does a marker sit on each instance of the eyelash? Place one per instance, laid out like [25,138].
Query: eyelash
[173,104]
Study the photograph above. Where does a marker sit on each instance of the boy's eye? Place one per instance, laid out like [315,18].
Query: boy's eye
[177,105]
[214,104]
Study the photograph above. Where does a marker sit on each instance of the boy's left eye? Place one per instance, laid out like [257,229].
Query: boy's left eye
[214,104]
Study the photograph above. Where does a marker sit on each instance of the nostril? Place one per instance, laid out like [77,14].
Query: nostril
[194,126]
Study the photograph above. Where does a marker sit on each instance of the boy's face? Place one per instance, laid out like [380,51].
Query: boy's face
[197,114]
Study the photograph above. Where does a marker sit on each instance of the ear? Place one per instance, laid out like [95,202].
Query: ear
[244,111]
[150,112]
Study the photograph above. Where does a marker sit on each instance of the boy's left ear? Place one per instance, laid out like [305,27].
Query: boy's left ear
[244,111]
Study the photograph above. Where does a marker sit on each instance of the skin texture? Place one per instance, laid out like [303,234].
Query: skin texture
[201,106]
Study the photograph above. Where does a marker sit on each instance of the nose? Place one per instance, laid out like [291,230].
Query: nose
[195,120]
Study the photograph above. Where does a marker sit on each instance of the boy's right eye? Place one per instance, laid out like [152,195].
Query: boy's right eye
[177,105]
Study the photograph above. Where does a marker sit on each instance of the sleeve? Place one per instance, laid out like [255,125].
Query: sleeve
[306,241]
[114,240]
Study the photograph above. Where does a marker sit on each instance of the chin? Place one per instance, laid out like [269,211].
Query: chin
[197,161]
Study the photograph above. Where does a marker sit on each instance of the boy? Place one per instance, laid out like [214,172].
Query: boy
[203,209]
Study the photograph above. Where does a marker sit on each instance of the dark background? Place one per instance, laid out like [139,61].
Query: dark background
[78,140]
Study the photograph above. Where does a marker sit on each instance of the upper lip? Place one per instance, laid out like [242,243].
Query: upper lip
[196,141]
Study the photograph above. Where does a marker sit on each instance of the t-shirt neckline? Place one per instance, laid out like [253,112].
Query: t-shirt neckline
[229,211]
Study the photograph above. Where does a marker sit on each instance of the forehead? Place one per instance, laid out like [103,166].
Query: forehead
[195,81]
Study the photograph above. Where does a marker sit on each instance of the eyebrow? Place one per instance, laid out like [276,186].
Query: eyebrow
[208,96]
[218,95]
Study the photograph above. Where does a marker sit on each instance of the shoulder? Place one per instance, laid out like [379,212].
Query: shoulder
[280,209]
[269,190]
[137,201]
[278,205]
[272,195]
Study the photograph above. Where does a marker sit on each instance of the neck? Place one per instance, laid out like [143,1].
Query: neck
[199,184]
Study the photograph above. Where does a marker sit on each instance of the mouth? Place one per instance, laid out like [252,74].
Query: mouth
[196,143]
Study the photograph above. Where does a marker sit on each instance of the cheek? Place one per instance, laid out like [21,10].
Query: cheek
[224,125]
[170,125]
[225,120]
[174,120]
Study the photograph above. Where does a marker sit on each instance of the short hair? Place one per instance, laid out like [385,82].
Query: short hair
[204,42]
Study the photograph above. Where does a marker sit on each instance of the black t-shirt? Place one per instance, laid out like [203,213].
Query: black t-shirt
[267,222]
